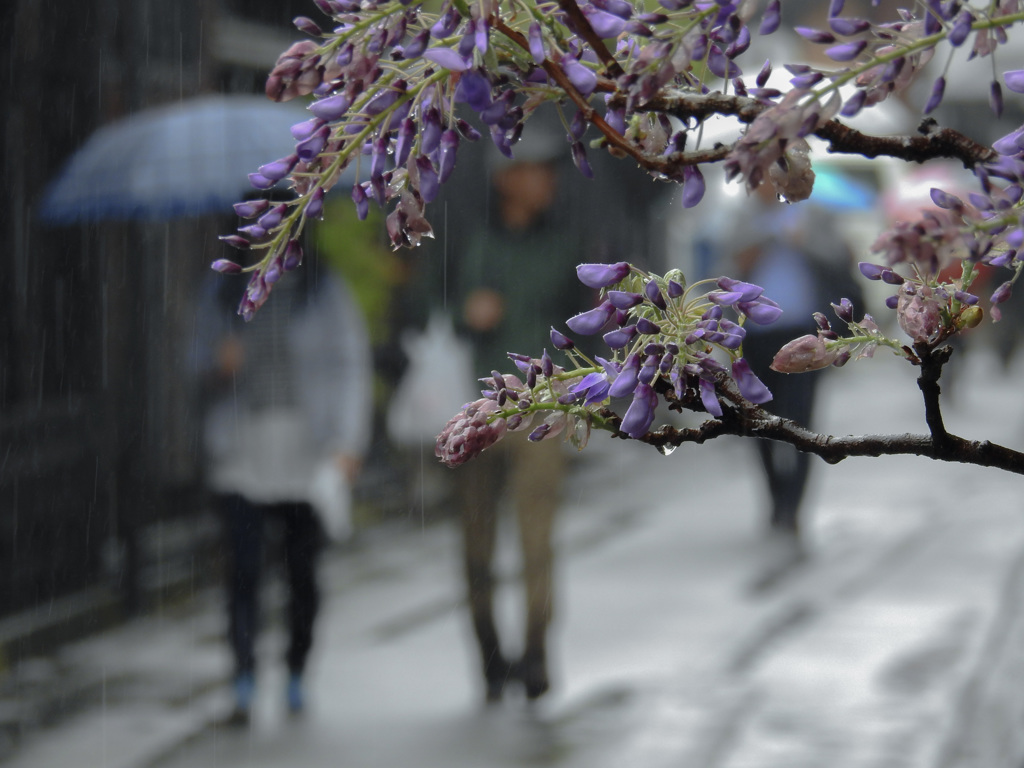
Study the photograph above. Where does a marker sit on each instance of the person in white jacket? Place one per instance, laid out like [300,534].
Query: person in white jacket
[288,399]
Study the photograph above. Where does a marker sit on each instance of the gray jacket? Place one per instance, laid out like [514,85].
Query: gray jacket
[301,395]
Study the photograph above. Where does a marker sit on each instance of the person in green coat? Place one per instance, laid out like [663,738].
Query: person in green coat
[515,280]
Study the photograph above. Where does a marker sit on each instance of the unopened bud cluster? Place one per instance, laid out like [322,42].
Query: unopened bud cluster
[469,432]
[509,404]
[985,229]
[829,347]
[930,310]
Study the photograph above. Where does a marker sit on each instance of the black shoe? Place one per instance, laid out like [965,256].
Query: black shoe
[497,674]
[532,672]
[239,718]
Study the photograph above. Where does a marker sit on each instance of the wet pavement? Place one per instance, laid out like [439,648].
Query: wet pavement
[684,635]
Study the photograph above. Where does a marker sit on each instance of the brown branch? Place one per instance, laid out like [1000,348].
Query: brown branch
[931,361]
[744,419]
[699,105]
[586,31]
[832,449]
[934,142]
[614,138]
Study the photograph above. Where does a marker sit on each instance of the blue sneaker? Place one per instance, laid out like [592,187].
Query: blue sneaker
[245,687]
[296,699]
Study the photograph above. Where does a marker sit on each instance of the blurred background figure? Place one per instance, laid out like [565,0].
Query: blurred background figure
[501,272]
[287,423]
[514,280]
[795,252]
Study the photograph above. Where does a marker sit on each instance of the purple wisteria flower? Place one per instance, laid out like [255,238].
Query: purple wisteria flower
[590,322]
[593,388]
[640,414]
[560,341]
[624,299]
[772,18]
[693,186]
[582,78]
[751,387]
[1014,80]
[762,311]
[602,275]
[626,379]
[447,58]
[226,266]
[709,398]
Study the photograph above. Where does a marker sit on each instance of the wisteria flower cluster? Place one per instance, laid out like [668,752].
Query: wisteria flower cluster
[395,90]
[666,339]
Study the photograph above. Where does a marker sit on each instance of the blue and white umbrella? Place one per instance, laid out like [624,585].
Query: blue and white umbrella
[185,159]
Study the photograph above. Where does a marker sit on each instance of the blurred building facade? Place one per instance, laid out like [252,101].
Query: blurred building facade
[98,471]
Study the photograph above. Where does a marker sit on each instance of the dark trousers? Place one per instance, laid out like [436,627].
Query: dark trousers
[303,539]
[786,469]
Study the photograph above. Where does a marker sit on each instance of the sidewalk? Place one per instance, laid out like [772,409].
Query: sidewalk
[899,642]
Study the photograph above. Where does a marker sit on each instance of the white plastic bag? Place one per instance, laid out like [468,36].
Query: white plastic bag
[437,383]
[331,499]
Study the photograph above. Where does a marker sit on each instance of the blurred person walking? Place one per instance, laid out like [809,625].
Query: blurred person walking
[516,279]
[797,254]
[288,410]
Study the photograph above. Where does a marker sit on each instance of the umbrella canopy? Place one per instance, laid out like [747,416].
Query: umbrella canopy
[839,191]
[185,159]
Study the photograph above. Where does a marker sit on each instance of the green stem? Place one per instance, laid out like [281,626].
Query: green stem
[577,373]
[292,225]
[850,341]
[909,48]
[356,29]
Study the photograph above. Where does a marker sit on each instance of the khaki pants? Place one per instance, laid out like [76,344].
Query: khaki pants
[532,474]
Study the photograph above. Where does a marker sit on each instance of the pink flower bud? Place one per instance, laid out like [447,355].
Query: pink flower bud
[918,312]
[808,353]
[467,434]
